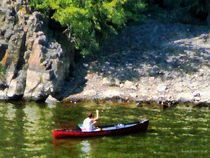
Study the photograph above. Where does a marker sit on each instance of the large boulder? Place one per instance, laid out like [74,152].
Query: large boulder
[35,61]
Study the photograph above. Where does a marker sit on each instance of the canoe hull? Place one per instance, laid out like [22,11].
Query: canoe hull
[137,127]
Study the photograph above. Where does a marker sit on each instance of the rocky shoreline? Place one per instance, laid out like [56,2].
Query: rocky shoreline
[36,59]
[161,62]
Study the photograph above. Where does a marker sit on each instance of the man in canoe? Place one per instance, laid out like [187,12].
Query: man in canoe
[88,123]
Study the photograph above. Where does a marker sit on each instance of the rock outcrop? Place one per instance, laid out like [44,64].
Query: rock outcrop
[36,62]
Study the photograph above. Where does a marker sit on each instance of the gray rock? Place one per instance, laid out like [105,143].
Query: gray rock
[51,100]
[10,11]
[3,29]
[8,34]
[161,87]
[35,22]
[36,64]
[17,85]
[42,40]
[47,64]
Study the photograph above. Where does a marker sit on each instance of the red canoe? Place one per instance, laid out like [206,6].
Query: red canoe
[106,130]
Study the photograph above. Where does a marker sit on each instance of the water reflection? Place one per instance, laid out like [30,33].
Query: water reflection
[86,148]
[77,147]
[22,129]
[38,121]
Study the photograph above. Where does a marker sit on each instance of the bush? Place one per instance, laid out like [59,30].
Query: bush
[87,22]
[41,5]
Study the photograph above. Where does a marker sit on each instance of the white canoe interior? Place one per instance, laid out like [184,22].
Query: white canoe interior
[118,127]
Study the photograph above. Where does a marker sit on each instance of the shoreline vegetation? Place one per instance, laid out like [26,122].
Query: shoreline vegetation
[124,51]
[88,23]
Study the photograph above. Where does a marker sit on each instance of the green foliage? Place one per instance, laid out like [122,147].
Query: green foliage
[1,70]
[134,10]
[41,5]
[89,21]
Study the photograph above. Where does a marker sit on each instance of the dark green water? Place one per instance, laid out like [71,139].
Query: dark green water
[26,131]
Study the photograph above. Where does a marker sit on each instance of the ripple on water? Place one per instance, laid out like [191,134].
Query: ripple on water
[178,132]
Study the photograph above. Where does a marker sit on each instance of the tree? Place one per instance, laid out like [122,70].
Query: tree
[89,21]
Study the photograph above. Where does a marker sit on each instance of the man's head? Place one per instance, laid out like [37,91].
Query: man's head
[90,115]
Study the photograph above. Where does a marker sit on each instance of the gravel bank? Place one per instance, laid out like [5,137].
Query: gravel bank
[154,61]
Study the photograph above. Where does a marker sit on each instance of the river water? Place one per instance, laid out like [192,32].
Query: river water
[26,131]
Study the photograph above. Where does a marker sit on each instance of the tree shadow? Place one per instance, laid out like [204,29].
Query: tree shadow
[74,84]
[155,49]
